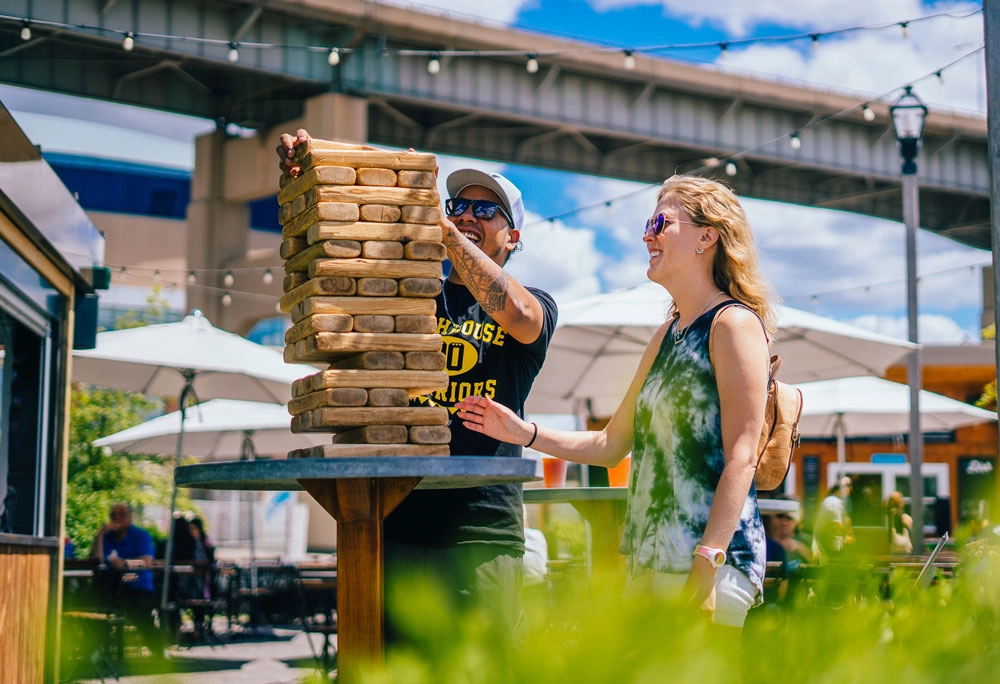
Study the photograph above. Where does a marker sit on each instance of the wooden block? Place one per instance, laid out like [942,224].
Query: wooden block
[384,177]
[388,396]
[284,213]
[337,396]
[425,361]
[429,434]
[372,360]
[419,287]
[338,175]
[293,280]
[421,214]
[334,249]
[390,306]
[316,287]
[378,287]
[416,179]
[415,324]
[287,212]
[372,231]
[374,268]
[369,450]
[369,323]
[324,346]
[415,382]
[319,323]
[372,194]
[425,251]
[292,246]
[327,211]
[309,156]
[323,419]
[380,213]
[381,249]
[373,434]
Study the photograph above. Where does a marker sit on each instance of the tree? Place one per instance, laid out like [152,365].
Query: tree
[97,478]
[988,400]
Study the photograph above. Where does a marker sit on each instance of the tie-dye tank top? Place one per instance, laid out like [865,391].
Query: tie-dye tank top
[677,460]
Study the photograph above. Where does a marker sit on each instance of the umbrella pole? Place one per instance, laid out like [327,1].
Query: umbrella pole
[164,594]
[841,439]
[248,455]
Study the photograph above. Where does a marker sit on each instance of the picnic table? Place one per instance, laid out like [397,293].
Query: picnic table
[359,493]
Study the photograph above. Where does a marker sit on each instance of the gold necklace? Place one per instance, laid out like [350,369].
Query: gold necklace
[681,334]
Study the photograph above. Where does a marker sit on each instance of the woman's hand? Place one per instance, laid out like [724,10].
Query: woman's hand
[482,414]
[286,151]
[700,585]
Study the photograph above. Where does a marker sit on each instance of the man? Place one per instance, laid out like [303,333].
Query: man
[127,551]
[832,532]
[495,333]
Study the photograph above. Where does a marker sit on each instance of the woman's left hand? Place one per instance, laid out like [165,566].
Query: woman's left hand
[700,585]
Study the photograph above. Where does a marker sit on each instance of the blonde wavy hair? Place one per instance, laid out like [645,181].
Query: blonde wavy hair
[735,270]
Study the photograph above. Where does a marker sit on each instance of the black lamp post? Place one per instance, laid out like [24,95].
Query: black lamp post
[908,116]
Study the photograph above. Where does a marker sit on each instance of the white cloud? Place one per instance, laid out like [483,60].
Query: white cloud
[931,328]
[557,258]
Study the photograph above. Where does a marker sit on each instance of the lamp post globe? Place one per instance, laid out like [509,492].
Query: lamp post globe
[908,117]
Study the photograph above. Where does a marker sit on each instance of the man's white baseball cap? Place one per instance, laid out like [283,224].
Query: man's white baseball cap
[510,196]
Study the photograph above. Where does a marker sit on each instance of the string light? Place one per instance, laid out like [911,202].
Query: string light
[434,64]
[532,64]
[228,279]
[25,30]
[191,278]
[629,61]
[156,276]
[867,113]
[268,277]
[815,42]
[795,141]
[234,52]
[129,42]
[227,299]
[123,274]
[731,168]
[940,77]
[333,59]
[905,25]
[724,50]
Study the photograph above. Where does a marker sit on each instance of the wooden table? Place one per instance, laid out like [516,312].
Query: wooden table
[604,510]
[359,493]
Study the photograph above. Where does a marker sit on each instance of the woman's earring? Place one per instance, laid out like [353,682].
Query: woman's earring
[699,250]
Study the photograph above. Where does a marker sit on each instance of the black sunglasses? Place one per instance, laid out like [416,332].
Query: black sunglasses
[481,209]
[656,224]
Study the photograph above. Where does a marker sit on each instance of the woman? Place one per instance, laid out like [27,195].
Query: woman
[899,525]
[693,413]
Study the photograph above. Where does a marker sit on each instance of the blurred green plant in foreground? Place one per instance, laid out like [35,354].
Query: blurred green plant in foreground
[946,633]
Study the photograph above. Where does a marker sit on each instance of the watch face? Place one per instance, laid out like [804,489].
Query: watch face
[718,559]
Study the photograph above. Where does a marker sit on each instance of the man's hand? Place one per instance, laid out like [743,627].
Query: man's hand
[286,151]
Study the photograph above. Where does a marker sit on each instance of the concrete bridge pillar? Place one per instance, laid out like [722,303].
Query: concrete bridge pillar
[231,172]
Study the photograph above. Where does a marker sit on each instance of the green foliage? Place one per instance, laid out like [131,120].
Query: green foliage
[988,400]
[945,634]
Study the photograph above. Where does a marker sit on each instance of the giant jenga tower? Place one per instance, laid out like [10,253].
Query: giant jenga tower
[363,252]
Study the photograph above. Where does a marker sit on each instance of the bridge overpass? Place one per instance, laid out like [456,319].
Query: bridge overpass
[582,111]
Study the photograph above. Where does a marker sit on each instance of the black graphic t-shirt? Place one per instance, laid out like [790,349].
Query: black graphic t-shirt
[481,359]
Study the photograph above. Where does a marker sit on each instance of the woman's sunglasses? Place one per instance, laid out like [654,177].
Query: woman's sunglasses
[656,224]
[481,209]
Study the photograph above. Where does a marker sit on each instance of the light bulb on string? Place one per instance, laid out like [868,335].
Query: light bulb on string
[434,64]
[156,276]
[795,141]
[129,42]
[532,64]
[277,307]
[234,52]
[629,61]
[940,77]
[906,29]
[333,59]
[26,30]
[227,299]
[268,277]
[228,279]
[123,273]
[723,50]
[814,300]
[867,113]
[731,168]
[191,278]
[815,42]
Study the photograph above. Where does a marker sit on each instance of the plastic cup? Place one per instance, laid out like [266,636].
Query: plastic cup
[618,475]
[554,472]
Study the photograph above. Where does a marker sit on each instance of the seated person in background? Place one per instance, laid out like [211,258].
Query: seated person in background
[899,524]
[785,527]
[127,550]
[833,533]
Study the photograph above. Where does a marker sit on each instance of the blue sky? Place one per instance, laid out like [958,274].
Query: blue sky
[841,265]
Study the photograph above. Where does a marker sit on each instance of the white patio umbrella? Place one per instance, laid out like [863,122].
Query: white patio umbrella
[219,429]
[867,406]
[190,359]
[599,340]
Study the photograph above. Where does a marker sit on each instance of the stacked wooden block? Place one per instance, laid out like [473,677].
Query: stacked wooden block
[363,252]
